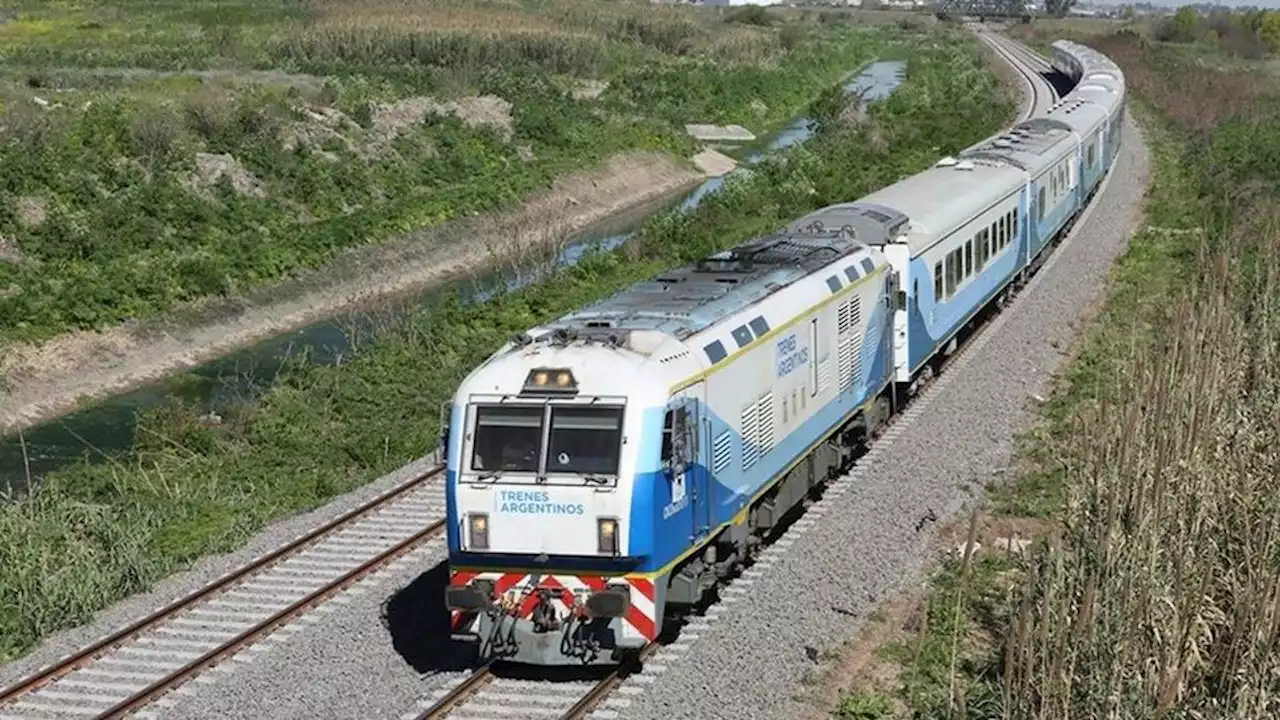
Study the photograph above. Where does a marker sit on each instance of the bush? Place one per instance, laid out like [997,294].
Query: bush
[1154,595]
[325,430]
[751,15]
[312,172]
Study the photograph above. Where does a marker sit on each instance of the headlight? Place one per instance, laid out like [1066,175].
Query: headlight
[607,532]
[478,531]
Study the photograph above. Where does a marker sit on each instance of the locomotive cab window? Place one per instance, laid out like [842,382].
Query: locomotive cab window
[585,440]
[673,422]
[507,438]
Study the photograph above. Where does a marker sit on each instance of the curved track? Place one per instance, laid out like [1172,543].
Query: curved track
[133,667]
[485,695]
[1041,93]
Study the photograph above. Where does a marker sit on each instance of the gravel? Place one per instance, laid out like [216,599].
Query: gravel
[861,543]
[378,650]
[201,573]
[371,654]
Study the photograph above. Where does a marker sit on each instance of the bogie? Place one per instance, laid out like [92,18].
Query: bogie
[610,470]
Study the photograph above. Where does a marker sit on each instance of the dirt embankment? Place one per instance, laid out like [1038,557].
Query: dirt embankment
[41,382]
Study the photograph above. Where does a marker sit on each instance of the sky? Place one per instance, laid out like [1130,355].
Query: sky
[1268,4]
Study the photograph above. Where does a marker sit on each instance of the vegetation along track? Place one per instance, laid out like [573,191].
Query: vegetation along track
[133,667]
[484,694]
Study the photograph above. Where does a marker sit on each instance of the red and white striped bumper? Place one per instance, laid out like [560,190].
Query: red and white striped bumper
[516,591]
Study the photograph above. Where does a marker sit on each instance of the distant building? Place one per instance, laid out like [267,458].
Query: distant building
[735,3]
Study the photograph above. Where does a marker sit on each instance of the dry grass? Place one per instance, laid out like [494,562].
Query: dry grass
[480,16]
[1160,597]
[1156,590]
[1164,590]
[667,28]
[1192,98]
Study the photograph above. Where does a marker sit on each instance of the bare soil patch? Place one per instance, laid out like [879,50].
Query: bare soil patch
[589,89]
[10,252]
[210,168]
[40,382]
[714,163]
[995,532]
[860,665]
[392,119]
[31,211]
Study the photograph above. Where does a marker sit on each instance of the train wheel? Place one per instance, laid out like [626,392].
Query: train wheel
[881,413]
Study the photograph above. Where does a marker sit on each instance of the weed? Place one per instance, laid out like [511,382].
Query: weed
[292,93]
[1156,595]
[194,487]
[860,705]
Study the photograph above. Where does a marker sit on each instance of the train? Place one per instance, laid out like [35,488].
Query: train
[609,468]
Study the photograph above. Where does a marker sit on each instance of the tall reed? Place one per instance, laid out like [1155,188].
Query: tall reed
[1161,598]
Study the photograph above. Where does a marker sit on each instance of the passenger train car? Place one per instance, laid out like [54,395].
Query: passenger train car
[608,468]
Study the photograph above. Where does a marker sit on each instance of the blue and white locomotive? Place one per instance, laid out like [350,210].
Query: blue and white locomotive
[611,466]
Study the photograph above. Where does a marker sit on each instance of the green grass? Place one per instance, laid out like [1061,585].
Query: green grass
[861,705]
[1148,593]
[124,232]
[190,489]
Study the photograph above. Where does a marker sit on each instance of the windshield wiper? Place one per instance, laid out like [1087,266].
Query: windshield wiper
[495,475]
[589,477]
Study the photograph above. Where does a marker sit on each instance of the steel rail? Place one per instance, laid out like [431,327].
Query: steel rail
[474,683]
[173,680]
[607,685]
[1033,79]
[89,653]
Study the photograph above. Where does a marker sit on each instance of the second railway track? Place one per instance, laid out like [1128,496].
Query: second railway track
[128,670]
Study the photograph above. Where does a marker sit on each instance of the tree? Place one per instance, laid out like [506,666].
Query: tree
[1269,30]
[1182,27]
[1058,8]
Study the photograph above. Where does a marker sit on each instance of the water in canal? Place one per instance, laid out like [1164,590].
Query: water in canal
[108,427]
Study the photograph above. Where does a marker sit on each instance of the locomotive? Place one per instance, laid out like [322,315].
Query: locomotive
[606,469]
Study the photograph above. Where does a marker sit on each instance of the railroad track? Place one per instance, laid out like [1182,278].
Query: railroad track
[128,670]
[1042,93]
[483,695]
